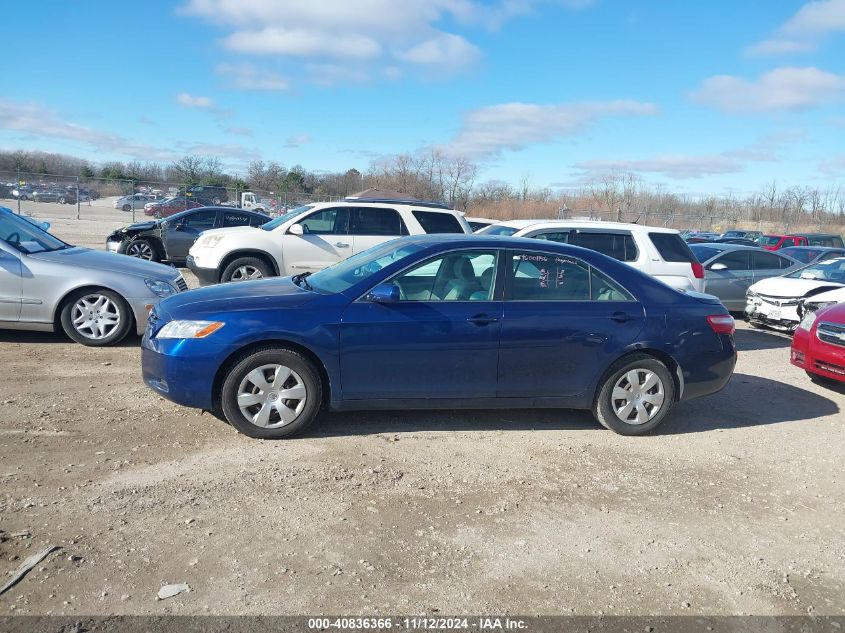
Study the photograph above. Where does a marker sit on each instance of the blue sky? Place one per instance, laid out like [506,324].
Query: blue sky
[700,97]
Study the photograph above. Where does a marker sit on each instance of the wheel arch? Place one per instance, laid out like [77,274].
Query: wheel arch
[244,351]
[249,252]
[671,364]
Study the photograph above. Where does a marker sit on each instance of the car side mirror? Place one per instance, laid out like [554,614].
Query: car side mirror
[718,266]
[384,293]
[44,226]
[296,229]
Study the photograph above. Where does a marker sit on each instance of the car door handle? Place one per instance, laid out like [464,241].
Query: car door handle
[482,319]
[620,317]
[341,245]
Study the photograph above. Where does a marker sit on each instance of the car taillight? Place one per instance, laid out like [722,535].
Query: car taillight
[697,270]
[722,323]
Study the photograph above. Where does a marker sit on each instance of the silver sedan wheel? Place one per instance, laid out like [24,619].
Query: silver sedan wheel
[244,273]
[638,396]
[271,396]
[95,316]
[141,250]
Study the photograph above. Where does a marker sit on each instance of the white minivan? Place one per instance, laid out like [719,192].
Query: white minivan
[657,251]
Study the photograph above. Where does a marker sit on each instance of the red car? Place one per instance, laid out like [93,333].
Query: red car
[818,346]
[170,206]
[777,242]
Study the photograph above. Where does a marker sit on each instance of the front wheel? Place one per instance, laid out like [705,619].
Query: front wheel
[246,268]
[126,207]
[143,249]
[271,394]
[96,318]
[635,396]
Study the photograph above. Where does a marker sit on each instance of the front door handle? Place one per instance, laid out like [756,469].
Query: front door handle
[482,319]
[620,317]
[341,245]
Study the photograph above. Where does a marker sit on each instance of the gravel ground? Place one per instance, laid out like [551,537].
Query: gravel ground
[735,507]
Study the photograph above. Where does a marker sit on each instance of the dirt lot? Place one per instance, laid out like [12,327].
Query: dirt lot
[735,507]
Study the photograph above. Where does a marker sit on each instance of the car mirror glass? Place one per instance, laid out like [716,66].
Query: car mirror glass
[384,293]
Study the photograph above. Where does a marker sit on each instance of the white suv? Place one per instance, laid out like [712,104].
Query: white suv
[656,251]
[311,237]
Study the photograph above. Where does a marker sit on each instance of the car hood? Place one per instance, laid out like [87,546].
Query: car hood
[79,257]
[786,287]
[237,296]
[837,295]
[138,226]
[231,229]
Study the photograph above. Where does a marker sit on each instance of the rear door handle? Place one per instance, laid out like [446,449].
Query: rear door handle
[482,319]
[620,317]
[341,244]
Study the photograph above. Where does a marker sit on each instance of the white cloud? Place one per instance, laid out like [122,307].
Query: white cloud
[673,165]
[192,101]
[805,30]
[784,88]
[248,77]
[487,131]
[834,166]
[41,122]
[362,36]
[297,139]
[238,131]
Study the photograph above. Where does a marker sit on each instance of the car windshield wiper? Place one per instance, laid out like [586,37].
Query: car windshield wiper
[303,277]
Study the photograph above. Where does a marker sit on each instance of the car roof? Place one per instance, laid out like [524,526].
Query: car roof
[814,235]
[583,224]
[823,249]
[727,246]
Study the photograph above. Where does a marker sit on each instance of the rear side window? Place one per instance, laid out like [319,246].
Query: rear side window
[233,218]
[619,246]
[768,261]
[367,221]
[671,247]
[433,222]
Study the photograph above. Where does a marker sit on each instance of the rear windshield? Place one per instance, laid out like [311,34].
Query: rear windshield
[498,229]
[671,247]
[703,253]
[433,222]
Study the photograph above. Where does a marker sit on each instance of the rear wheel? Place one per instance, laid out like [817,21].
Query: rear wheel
[635,396]
[246,268]
[126,207]
[271,394]
[143,249]
[96,318]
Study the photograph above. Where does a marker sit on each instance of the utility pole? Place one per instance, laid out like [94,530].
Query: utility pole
[19,190]
[77,198]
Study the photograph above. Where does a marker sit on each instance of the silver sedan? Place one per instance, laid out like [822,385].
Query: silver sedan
[96,297]
[729,269]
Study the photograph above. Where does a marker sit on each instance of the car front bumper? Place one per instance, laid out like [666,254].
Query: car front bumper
[206,276]
[781,317]
[115,247]
[817,357]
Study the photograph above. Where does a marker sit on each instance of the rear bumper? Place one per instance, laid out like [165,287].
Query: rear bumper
[709,372]
[206,276]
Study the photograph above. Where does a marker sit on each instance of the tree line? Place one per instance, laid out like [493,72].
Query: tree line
[434,175]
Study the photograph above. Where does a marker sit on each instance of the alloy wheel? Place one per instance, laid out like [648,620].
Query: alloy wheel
[141,250]
[244,273]
[638,396]
[95,316]
[271,396]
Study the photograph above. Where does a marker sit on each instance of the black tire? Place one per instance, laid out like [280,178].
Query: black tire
[117,334]
[126,207]
[302,373]
[143,248]
[62,200]
[237,268]
[604,409]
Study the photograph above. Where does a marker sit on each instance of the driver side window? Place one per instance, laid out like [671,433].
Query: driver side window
[333,221]
[461,276]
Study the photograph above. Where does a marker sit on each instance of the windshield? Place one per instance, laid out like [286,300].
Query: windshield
[801,254]
[348,272]
[26,236]
[831,270]
[498,229]
[272,224]
[768,240]
[703,253]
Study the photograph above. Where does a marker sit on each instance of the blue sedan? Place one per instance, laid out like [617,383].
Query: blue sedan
[441,322]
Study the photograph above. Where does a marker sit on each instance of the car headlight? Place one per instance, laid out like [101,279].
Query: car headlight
[189,329]
[160,288]
[209,241]
[807,321]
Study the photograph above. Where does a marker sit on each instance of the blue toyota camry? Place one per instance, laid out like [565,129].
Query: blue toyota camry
[441,322]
